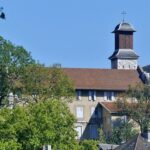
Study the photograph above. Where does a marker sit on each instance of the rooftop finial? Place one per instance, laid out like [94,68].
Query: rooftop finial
[123,15]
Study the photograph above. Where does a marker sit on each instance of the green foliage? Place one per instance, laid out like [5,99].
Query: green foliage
[13,60]
[136,104]
[30,127]
[122,133]
[36,124]
[30,81]
[102,137]
[40,83]
[89,145]
[119,134]
[60,85]
[9,145]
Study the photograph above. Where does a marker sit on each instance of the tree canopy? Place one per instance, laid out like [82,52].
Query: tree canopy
[13,60]
[27,80]
[136,104]
[40,83]
[45,118]
[42,123]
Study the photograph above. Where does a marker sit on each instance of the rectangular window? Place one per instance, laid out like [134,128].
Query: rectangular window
[79,131]
[79,112]
[124,119]
[92,95]
[118,121]
[109,96]
[78,95]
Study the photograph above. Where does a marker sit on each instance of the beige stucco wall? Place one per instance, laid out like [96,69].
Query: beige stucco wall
[104,118]
[86,104]
[87,119]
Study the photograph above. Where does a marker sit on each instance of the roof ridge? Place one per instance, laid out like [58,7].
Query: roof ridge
[88,68]
[107,69]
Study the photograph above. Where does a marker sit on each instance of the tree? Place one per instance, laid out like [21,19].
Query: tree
[135,103]
[13,60]
[122,133]
[48,121]
[61,87]
[102,136]
[31,127]
[89,145]
[27,80]
[42,83]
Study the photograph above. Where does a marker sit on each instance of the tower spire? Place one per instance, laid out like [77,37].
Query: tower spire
[123,15]
[124,56]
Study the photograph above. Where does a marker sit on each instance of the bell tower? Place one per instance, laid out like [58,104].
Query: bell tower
[124,57]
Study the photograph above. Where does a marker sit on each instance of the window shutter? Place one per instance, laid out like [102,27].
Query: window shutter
[112,96]
[79,95]
[90,95]
[94,95]
[105,95]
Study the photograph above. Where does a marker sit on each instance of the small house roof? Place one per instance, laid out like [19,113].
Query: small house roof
[110,106]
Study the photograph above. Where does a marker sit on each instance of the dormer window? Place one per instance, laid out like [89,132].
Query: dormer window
[78,94]
[109,96]
[92,95]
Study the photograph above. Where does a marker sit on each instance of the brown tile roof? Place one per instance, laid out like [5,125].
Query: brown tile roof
[102,79]
[110,106]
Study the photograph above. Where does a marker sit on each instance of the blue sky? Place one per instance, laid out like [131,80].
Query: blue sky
[75,33]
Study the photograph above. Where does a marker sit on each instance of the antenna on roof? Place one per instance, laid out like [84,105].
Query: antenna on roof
[123,15]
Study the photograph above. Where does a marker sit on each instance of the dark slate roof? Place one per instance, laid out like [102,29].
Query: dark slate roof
[136,143]
[147,68]
[124,54]
[102,79]
[124,26]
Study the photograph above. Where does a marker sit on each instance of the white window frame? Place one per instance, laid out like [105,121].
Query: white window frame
[78,94]
[112,95]
[79,135]
[124,118]
[92,95]
[109,95]
[79,111]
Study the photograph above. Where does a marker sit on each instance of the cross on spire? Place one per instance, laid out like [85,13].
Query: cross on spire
[123,15]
